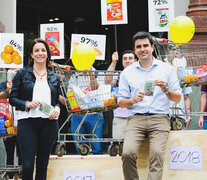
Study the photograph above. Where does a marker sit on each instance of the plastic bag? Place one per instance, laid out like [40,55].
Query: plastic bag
[80,97]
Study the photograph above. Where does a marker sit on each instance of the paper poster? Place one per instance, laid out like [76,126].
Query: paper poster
[98,42]
[79,175]
[160,13]
[53,34]
[184,157]
[11,48]
[114,12]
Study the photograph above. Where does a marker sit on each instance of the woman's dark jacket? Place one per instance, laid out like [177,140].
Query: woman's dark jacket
[23,84]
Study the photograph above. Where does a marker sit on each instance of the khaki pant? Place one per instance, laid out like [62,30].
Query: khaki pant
[157,128]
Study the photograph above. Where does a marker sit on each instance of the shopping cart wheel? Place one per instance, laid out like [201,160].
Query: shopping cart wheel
[60,150]
[120,149]
[178,124]
[113,149]
[84,149]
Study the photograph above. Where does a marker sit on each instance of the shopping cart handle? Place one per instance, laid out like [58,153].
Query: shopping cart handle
[161,40]
[65,67]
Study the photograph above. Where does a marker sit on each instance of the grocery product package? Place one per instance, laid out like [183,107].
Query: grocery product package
[105,92]
[181,73]
[80,97]
[94,100]
[114,10]
[52,38]
[72,101]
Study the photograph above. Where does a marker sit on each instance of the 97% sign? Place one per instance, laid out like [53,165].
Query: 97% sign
[89,41]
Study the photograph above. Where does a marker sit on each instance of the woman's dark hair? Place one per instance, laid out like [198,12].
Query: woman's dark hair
[130,52]
[35,41]
[142,35]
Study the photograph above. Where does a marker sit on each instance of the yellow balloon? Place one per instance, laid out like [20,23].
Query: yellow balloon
[181,29]
[83,57]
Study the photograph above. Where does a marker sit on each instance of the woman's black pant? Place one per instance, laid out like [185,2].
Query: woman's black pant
[36,137]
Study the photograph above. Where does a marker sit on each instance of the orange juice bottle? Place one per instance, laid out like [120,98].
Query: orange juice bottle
[72,101]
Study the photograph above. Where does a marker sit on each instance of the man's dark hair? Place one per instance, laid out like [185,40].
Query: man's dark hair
[142,35]
[131,52]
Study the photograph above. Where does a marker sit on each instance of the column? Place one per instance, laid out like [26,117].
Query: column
[197,11]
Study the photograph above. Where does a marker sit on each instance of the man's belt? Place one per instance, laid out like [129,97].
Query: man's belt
[146,114]
[149,114]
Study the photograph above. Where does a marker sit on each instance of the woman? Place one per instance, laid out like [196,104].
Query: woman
[36,130]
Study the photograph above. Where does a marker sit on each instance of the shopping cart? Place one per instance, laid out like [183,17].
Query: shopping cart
[190,60]
[7,129]
[87,92]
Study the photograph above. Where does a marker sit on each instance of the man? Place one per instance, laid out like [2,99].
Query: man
[86,81]
[121,114]
[10,142]
[180,109]
[128,57]
[148,111]
[178,60]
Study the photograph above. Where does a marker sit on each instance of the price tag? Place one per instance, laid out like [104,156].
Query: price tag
[79,175]
[182,157]
[98,42]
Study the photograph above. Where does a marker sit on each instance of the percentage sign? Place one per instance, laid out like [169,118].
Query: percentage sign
[94,43]
[19,47]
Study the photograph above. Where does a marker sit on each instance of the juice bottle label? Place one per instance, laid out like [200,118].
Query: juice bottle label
[72,101]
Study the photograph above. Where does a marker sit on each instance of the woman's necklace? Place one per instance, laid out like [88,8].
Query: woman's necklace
[41,76]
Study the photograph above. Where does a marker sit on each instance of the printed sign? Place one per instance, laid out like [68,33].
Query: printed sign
[160,13]
[53,34]
[11,48]
[114,12]
[185,157]
[98,42]
[79,175]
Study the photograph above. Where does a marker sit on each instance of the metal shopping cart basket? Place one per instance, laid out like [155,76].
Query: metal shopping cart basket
[87,92]
[7,129]
[190,61]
